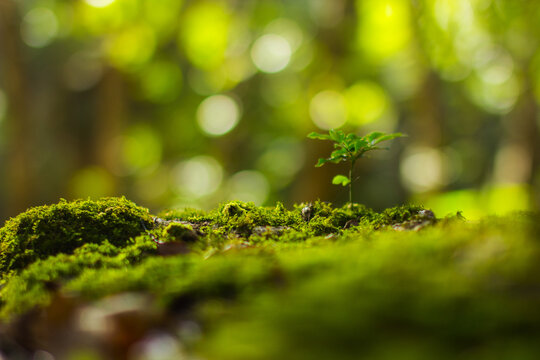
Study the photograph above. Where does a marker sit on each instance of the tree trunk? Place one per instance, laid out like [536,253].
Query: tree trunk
[18,169]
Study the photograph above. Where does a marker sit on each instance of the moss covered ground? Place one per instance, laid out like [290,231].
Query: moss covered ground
[107,280]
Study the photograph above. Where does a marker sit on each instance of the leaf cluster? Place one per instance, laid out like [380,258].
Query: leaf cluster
[350,147]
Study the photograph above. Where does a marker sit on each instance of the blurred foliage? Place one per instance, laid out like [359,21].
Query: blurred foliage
[189,103]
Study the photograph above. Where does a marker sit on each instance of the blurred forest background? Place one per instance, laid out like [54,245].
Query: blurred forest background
[190,103]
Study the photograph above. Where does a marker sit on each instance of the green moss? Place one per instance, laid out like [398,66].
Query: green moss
[188,214]
[338,282]
[72,237]
[437,293]
[276,223]
[451,289]
[176,231]
[45,231]
[324,219]
[30,287]
[242,217]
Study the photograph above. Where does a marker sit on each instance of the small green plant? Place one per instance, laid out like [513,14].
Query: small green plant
[349,147]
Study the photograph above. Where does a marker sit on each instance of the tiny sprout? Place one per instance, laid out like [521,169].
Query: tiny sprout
[349,147]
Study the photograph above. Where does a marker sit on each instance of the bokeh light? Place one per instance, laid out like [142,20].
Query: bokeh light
[494,98]
[218,114]
[132,47]
[140,149]
[161,82]
[249,186]
[157,346]
[282,161]
[109,19]
[99,3]
[204,33]
[197,177]
[328,109]
[271,53]
[287,29]
[494,66]
[403,76]
[453,12]
[512,164]
[366,102]
[423,169]
[39,27]
[389,20]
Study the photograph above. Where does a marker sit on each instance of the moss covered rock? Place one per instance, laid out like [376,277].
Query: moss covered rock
[328,275]
[177,231]
[453,289]
[45,231]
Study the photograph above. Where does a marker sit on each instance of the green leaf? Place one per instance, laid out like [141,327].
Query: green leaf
[339,153]
[370,148]
[371,137]
[321,162]
[387,137]
[359,144]
[318,136]
[336,135]
[351,139]
[341,180]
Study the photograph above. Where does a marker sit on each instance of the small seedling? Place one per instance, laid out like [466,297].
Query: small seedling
[349,147]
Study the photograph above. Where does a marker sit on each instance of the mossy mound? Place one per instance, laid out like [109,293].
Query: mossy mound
[180,232]
[45,231]
[314,282]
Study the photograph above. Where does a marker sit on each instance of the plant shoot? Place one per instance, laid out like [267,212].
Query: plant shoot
[350,147]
